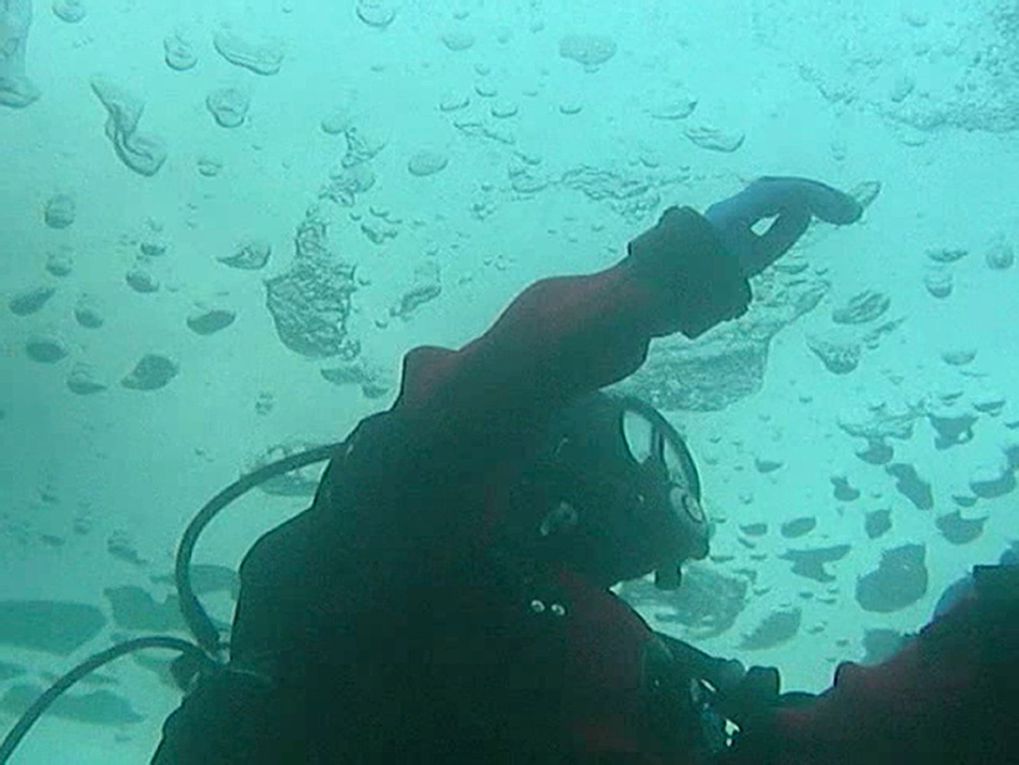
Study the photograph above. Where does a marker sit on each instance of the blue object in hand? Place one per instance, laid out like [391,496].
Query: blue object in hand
[793,202]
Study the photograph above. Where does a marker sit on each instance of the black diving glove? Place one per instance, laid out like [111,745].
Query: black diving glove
[704,262]
[754,694]
[684,257]
[751,704]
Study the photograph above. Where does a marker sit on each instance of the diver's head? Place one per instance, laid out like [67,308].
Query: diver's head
[619,492]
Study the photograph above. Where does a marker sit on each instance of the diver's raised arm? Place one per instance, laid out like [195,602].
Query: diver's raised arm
[566,336]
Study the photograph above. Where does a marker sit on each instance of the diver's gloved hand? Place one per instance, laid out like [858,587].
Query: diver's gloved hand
[793,202]
[752,705]
[701,284]
[703,262]
[754,695]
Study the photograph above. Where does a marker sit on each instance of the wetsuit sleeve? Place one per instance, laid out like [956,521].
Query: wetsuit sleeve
[566,336]
[948,696]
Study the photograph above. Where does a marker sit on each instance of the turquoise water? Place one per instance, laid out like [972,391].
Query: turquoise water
[174,181]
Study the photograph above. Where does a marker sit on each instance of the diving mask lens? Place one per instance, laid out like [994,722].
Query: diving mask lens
[639,435]
[686,506]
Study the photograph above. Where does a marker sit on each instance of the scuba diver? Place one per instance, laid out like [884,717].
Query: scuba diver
[446,598]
